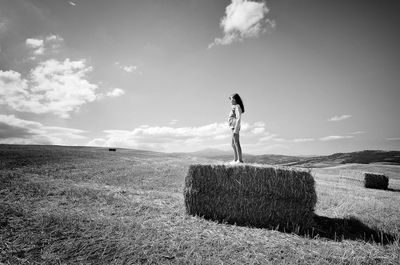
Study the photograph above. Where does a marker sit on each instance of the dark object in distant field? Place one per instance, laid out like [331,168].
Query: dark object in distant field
[112,149]
[365,179]
[376,181]
[256,196]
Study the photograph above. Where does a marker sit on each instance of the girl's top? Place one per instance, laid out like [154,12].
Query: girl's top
[234,118]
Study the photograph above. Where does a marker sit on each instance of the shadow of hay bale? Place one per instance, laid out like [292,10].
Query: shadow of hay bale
[393,190]
[351,228]
[256,196]
[336,229]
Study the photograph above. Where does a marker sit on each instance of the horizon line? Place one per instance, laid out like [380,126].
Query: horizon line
[189,152]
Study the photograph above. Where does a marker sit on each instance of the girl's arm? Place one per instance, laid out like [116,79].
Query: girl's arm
[238,119]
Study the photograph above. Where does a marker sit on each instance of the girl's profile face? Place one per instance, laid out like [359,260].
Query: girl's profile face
[233,101]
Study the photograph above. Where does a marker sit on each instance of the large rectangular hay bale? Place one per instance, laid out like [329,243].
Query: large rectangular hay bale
[251,195]
[364,179]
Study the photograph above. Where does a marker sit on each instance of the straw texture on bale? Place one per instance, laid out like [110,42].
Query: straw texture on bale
[365,179]
[251,195]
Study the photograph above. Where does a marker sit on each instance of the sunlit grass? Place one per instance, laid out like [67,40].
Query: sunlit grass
[90,206]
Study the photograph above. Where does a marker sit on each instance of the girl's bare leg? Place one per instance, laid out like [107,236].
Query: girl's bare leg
[235,153]
[237,147]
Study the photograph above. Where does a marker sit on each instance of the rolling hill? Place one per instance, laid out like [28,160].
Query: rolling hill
[361,157]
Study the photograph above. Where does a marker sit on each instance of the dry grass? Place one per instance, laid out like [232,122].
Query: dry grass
[63,205]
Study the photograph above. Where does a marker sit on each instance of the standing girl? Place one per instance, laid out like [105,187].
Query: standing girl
[234,120]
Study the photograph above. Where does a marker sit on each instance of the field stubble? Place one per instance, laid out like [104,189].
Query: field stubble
[61,205]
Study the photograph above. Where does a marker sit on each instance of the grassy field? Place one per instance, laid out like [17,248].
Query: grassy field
[81,205]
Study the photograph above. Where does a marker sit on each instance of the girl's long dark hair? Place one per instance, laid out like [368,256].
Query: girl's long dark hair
[238,101]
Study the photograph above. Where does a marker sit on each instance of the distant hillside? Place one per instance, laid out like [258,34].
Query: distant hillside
[362,157]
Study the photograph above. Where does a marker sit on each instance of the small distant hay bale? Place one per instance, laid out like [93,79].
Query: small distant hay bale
[257,196]
[376,181]
[112,149]
[364,179]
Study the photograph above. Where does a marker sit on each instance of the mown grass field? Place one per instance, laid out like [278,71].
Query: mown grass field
[81,205]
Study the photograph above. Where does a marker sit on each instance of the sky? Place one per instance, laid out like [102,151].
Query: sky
[316,77]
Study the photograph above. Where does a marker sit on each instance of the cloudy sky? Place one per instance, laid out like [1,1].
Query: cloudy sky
[316,76]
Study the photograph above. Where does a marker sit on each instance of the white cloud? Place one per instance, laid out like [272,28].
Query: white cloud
[357,132]
[52,87]
[117,92]
[34,43]
[173,122]
[254,138]
[340,118]
[393,139]
[303,140]
[179,139]
[296,140]
[243,19]
[222,136]
[72,3]
[129,68]
[54,42]
[258,130]
[335,137]
[38,46]
[18,131]
[98,142]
